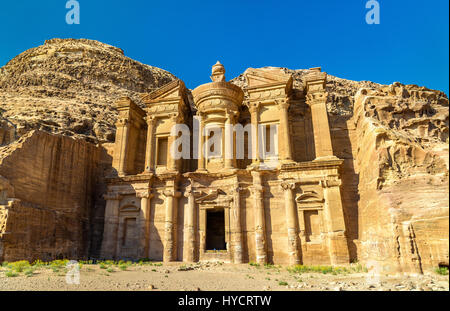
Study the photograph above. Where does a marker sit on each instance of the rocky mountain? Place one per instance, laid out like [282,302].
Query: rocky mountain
[68,86]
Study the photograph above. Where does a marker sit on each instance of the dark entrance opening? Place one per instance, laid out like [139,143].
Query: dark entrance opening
[215,230]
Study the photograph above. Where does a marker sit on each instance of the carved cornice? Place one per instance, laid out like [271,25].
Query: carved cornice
[301,166]
[164,89]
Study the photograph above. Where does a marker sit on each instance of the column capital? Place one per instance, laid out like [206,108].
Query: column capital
[330,183]
[122,122]
[316,98]
[151,120]
[287,185]
[237,189]
[173,117]
[190,191]
[253,107]
[171,193]
[145,194]
[283,103]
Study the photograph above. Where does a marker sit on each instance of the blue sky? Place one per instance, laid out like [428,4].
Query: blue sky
[409,45]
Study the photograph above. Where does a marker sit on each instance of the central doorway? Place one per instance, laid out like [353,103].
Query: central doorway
[215,229]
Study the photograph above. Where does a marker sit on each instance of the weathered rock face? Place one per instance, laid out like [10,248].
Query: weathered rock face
[402,159]
[48,190]
[67,86]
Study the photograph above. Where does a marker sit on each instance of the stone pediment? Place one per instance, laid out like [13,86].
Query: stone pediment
[213,196]
[170,91]
[309,197]
[267,76]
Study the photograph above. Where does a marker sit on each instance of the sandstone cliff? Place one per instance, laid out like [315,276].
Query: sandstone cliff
[48,191]
[402,160]
[67,86]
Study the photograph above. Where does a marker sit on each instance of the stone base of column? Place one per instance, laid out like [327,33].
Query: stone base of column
[148,172]
[228,170]
[338,248]
[254,165]
[326,158]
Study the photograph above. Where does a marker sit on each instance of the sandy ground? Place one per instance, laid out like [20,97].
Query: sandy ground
[213,277]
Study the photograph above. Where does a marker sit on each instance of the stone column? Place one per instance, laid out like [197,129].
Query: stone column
[316,99]
[111,226]
[254,110]
[189,227]
[201,156]
[149,150]
[202,230]
[170,223]
[291,223]
[171,161]
[335,224]
[236,226]
[144,224]
[285,144]
[260,220]
[229,142]
[123,131]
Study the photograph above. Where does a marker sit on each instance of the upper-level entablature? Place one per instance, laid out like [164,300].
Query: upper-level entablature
[168,99]
[315,80]
[268,84]
[130,112]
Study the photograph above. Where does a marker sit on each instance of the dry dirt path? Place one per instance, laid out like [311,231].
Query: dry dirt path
[212,277]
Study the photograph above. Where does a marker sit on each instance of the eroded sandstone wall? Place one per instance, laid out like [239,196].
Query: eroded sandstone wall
[54,180]
[401,158]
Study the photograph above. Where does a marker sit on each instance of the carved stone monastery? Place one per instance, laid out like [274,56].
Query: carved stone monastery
[355,171]
[234,210]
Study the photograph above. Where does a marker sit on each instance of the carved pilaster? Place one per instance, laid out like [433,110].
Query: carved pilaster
[201,156]
[236,225]
[172,163]
[257,191]
[144,223]
[291,222]
[170,224]
[316,98]
[111,225]
[149,151]
[254,112]
[189,226]
[335,223]
[229,141]
[123,127]
[285,144]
